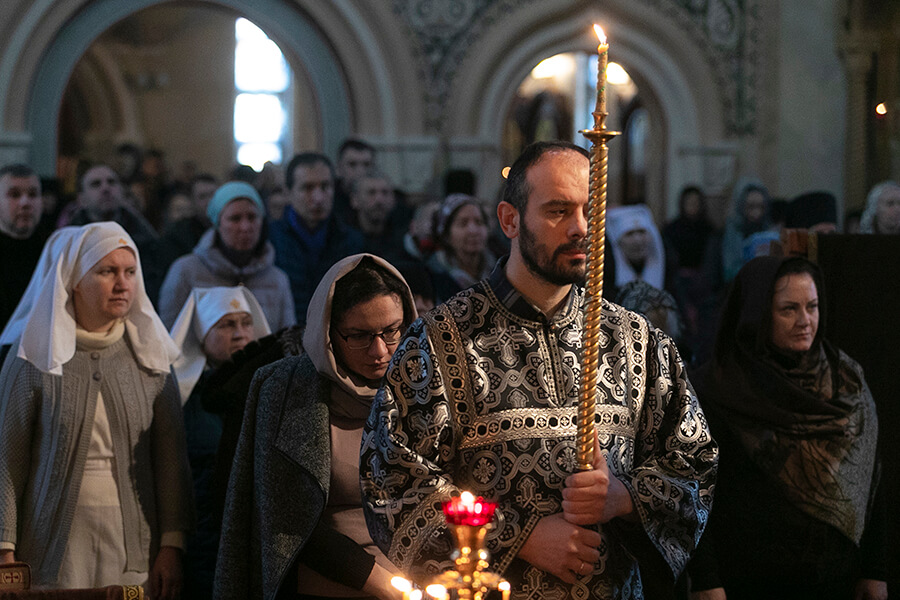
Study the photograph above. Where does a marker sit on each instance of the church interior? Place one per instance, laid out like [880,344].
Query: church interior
[803,96]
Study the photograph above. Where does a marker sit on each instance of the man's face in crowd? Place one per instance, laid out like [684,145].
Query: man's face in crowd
[101,190]
[373,199]
[553,228]
[312,195]
[20,205]
[353,164]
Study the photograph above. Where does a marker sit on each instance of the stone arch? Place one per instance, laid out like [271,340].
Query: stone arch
[671,70]
[53,35]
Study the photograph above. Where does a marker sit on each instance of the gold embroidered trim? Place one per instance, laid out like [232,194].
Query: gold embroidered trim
[513,550]
[524,423]
[450,361]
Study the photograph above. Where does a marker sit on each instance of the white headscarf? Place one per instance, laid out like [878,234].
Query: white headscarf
[203,309]
[867,220]
[44,321]
[619,221]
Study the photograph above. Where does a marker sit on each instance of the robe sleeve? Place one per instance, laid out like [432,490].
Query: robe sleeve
[406,453]
[672,479]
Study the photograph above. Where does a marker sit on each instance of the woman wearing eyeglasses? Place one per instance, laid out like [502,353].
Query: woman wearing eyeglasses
[294,525]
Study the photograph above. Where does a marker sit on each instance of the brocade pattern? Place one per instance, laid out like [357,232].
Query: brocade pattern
[482,396]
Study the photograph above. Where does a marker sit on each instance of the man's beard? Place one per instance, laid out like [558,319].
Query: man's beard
[546,267]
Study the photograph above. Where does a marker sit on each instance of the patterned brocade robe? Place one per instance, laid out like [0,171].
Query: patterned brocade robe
[481,395]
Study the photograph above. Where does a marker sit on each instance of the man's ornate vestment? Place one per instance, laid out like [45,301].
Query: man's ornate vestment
[482,395]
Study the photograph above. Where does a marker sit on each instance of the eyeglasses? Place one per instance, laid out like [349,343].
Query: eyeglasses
[359,341]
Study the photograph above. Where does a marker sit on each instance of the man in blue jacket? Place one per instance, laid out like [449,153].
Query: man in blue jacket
[309,238]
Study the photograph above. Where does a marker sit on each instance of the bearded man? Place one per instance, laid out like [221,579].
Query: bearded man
[482,396]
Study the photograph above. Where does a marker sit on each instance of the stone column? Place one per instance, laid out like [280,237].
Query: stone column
[857,54]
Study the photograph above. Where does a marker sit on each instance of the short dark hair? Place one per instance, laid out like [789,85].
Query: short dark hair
[305,159]
[17,170]
[366,281]
[517,189]
[354,144]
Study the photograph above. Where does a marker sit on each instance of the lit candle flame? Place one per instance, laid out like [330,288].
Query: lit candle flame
[881,109]
[401,584]
[436,590]
[467,499]
[600,35]
[415,595]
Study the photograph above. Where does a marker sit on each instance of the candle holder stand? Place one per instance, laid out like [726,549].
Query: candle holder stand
[593,292]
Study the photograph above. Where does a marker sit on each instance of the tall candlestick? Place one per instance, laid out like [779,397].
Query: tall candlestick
[593,292]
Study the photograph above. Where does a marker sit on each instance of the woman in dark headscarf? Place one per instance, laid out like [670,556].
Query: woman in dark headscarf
[689,234]
[750,216]
[794,514]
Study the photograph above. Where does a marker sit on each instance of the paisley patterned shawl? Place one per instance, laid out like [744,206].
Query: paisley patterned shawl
[808,420]
[481,395]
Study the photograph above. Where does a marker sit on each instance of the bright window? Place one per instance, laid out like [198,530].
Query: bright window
[263,83]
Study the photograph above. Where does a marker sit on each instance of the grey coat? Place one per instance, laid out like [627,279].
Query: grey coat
[206,266]
[45,430]
[280,480]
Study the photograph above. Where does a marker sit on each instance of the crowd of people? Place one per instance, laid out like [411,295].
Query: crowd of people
[265,386]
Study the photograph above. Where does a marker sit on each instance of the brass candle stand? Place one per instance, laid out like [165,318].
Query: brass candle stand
[468,519]
[470,580]
[593,293]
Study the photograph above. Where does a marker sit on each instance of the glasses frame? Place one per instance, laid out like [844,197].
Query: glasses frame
[371,337]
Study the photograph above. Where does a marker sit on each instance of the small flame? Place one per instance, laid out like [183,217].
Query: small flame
[503,586]
[401,584]
[436,590]
[881,109]
[600,35]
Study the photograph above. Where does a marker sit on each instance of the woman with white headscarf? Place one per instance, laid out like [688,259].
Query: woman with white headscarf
[213,324]
[94,481]
[882,213]
[637,246]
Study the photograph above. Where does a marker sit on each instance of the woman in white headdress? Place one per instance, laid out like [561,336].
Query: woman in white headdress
[213,324]
[94,480]
[637,246]
[882,213]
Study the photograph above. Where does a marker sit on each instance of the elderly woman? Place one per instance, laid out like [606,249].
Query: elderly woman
[882,213]
[293,518]
[94,477]
[795,513]
[637,246]
[213,324]
[461,229]
[234,252]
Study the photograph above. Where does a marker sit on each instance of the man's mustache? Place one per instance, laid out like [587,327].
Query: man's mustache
[580,246]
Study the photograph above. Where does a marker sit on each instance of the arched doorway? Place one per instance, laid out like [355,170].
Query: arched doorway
[307,51]
[556,100]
